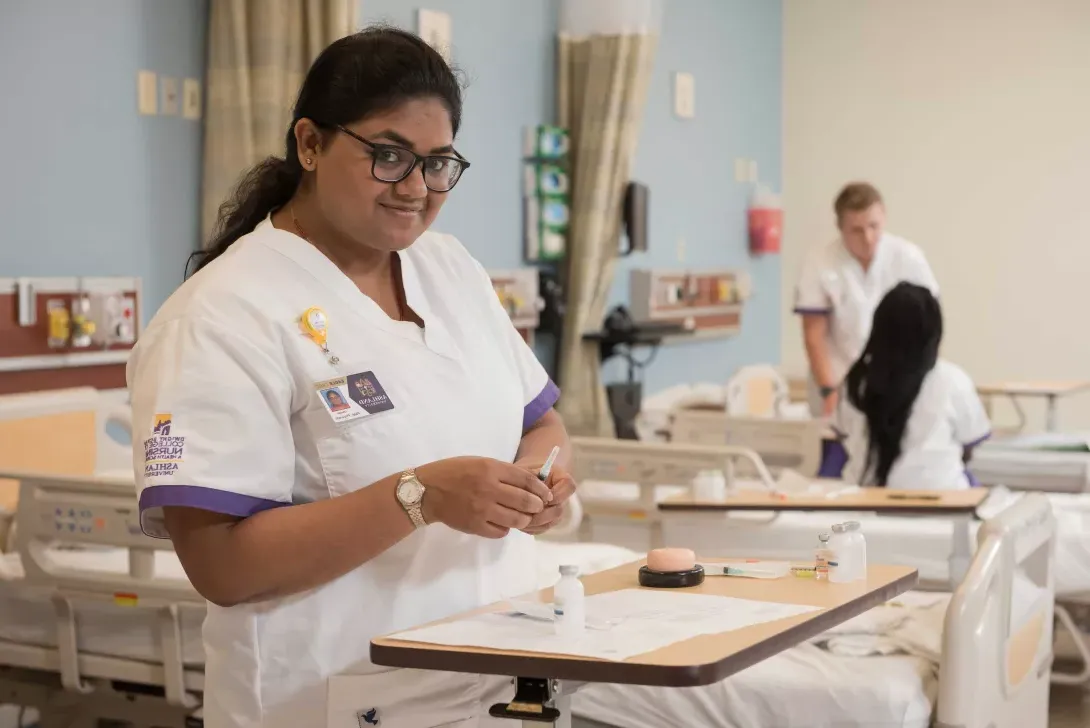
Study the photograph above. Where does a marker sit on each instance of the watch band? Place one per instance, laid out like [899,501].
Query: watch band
[416,515]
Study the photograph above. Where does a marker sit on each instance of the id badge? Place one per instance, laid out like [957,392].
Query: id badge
[353,397]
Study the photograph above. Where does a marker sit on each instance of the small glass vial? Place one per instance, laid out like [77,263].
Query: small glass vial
[858,545]
[841,568]
[821,557]
[569,603]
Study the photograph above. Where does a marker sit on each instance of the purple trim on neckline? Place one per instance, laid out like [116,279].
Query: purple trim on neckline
[195,496]
[539,405]
[977,441]
[815,311]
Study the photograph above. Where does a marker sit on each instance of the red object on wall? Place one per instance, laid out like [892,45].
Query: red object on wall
[765,223]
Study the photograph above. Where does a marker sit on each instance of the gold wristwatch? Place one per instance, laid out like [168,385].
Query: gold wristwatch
[410,493]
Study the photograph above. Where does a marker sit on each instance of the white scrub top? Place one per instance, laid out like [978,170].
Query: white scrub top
[947,417]
[833,283]
[231,413]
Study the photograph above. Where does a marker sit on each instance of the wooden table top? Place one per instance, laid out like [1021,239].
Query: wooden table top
[1032,388]
[698,661]
[879,500]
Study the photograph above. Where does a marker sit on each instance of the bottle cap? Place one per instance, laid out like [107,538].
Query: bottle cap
[823,537]
[840,528]
[569,570]
[852,525]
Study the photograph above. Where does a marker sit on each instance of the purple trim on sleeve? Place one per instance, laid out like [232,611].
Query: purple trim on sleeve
[815,311]
[973,482]
[196,496]
[539,405]
[833,459]
[977,441]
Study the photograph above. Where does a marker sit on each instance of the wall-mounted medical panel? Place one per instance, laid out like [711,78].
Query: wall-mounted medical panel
[518,291]
[704,301]
[59,332]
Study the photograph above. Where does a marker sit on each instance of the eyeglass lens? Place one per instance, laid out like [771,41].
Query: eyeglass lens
[393,164]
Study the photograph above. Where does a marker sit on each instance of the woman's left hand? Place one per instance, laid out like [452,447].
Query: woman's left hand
[562,486]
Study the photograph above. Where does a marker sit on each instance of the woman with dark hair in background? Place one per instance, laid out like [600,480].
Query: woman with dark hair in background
[311,531]
[911,419]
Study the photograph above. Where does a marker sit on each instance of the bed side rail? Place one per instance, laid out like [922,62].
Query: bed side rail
[651,464]
[995,668]
[781,443]
[86,511]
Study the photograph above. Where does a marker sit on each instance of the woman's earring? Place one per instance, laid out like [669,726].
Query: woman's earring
[309,161]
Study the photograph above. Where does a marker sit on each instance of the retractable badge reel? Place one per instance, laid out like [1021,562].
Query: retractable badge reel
[315,326]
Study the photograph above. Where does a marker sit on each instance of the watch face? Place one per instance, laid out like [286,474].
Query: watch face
[410,491]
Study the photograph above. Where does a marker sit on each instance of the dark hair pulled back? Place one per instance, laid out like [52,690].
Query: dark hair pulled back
[362,74]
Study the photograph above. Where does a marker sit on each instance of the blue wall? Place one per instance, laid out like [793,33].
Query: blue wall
[91,187]
[95,189]
[732,48]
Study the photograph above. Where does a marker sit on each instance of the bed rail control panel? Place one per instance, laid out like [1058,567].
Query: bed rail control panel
[92,511]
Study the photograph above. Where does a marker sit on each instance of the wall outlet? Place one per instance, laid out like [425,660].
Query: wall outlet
[684,95]
[147,93]
[191,99]
[752,171]
[170,96]
[741,169]
[435,28]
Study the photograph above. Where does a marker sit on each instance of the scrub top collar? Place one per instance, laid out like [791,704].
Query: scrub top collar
[435,335]
[876,262]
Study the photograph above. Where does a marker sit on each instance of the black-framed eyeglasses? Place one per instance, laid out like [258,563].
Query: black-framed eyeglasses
[391,163]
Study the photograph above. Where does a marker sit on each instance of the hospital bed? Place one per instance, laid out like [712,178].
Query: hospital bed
[623,482]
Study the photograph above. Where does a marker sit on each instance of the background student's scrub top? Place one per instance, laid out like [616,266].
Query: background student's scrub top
[834,284]
[946,417]
[228,416]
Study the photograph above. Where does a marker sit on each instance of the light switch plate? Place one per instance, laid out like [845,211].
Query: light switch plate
[191,99]
[147,93]
[435,28]
[684,95]
[169,88]
[741,169]
[752,171]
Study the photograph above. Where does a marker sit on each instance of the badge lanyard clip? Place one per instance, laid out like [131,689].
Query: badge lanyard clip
[315,326]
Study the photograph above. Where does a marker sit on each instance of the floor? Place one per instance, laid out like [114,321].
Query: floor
[1068,709]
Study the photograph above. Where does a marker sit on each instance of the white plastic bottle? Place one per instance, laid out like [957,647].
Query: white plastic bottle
[710,485]
[858,545]
[841,566]
[569,603]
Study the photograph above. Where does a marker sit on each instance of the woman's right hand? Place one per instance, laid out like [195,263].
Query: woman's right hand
[481,496]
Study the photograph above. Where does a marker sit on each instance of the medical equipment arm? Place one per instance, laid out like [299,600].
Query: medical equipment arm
[815,330]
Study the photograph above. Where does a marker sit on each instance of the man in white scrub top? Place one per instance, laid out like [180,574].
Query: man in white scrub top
[335,420]
[842,283]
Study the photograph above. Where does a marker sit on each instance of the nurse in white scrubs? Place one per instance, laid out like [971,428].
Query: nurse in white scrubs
[310,526]
[842,282]
[909,419]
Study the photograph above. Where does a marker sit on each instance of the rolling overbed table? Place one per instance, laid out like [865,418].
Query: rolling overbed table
[544,682]
[957,505]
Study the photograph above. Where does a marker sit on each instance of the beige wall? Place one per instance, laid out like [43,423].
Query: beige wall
[973,118]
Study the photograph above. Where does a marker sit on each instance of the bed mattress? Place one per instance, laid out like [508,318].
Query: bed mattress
[1022,468]
[923,543]
[813,685]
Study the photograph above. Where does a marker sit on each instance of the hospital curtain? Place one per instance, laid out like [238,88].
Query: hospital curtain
[258,54]
[605,54]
